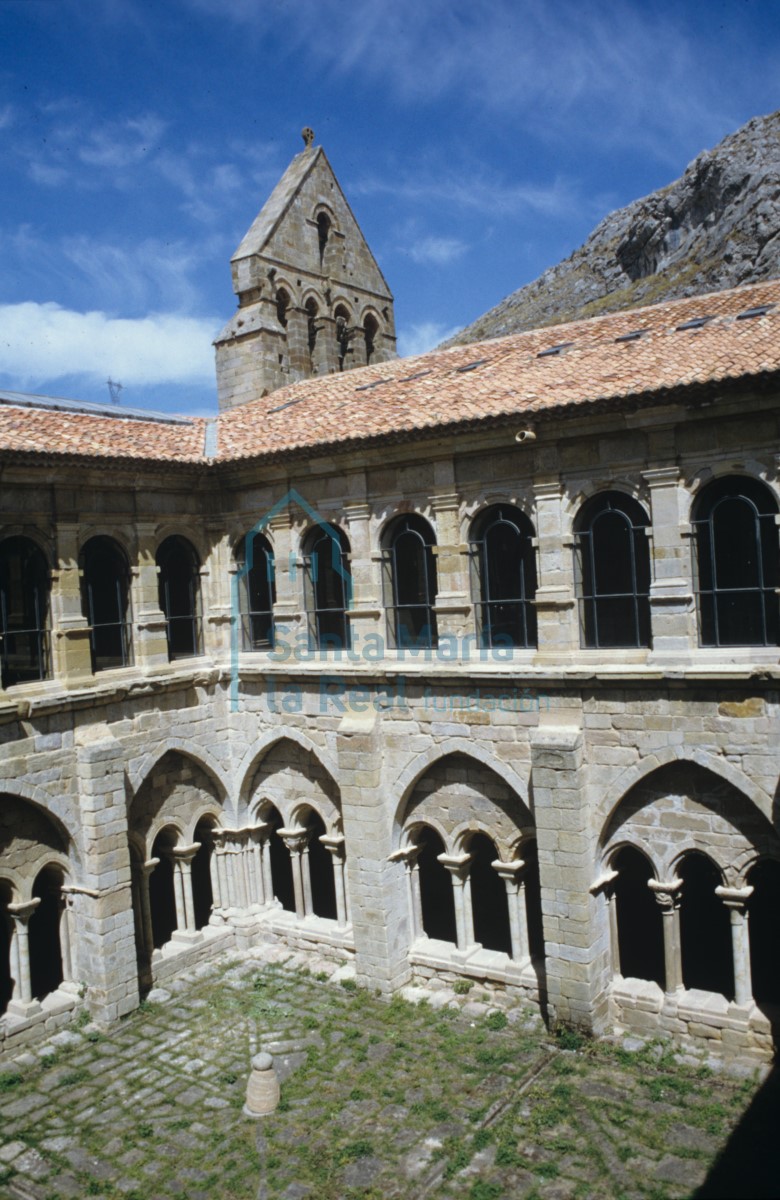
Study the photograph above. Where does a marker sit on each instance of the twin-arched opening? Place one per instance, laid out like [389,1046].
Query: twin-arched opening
[677,917]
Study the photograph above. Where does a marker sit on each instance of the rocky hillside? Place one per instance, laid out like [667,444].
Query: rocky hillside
[716,227]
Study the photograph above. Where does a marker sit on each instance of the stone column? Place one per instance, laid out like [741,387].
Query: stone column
[146,907]
[216,596]
[453,601]
[736,900]
[71,653]
[668,894]
[296,840]
[182,859]
[366,610]
[376,890]
[557,623]
[22,1003]
[259,837]
[671,588]
[222,870]
[104,908]
[288,572]
[151,643]
[409,856]
[458,865]
[518,917]
[335,844]
[577,958]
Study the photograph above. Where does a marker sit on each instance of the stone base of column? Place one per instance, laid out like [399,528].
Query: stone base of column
[186,937]
[23,1009]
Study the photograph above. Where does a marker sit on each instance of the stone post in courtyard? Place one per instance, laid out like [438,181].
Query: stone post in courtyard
[103,908]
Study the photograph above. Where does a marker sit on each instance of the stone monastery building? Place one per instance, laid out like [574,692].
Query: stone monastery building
[461,666]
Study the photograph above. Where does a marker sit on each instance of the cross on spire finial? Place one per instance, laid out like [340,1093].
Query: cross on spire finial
[307,133]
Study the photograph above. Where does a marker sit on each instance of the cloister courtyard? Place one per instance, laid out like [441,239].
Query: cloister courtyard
[429,1095]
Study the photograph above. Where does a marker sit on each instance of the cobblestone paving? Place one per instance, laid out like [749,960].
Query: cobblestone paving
[378,1100]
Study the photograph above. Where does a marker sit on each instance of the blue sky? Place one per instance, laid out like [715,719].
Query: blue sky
[478,141]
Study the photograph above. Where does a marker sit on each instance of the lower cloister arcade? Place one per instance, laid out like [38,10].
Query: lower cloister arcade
[297,814]
[468,846]
[37,948]
[691,879]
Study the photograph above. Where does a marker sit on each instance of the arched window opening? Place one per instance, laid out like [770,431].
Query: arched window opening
[46,973]
[612,559]
[24,612]
[370,330]
[6,934]
[323,886]
[105,598]
[488,897]
[410,582]
[503,568]
[764,931]
[312,328]
[202,867]
[282,306]
[327,587]
[737,563]
[705,928]
[281,865]
[257,594]
[344,335]
[162,900]
[438,903]
[323,234]
[533,900]
[639,918]
[179,590]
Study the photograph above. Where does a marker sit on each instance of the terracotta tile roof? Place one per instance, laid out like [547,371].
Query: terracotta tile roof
[33,430]
[437,390]
[443,389]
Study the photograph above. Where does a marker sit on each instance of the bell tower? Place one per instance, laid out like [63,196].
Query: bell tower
[311,298]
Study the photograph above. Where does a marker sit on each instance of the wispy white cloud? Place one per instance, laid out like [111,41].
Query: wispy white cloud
[118,275]
[7,116]
[424,336]
[437,250]
[619,73]
[474,188]
[40,343]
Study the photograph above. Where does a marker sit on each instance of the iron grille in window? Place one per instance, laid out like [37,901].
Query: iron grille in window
[179,591]
[613,572]
[410,583]
[257,593]
[105,600]
[503,568]
[736,563]
[24,609]
[327,587]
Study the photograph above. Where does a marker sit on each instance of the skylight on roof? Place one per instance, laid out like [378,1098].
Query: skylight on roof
[417,375]
[366,387]
[553,350]
[760,310]
[694,323]
[633,336]
[287,404]
[472,366]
